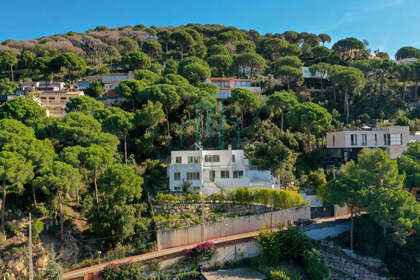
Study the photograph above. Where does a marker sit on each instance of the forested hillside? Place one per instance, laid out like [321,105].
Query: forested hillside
[90,178]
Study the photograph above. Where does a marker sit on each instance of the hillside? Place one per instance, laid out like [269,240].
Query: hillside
[92,178]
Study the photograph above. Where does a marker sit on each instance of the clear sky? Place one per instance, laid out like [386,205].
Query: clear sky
[386,24]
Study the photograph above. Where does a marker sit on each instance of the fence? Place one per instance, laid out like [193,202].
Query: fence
[198,233]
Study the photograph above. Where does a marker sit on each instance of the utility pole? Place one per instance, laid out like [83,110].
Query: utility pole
[202,215]
[31,266]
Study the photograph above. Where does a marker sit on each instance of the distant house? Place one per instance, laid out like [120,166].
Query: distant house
[111,81]
[406,60]
[111,98]
[8,97]
[345,145]
[43,86]
[55,102]
[210,171]
[226,85]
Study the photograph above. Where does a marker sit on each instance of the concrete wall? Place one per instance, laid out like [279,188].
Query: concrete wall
[198,233]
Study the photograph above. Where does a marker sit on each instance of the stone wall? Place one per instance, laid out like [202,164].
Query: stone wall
[172,215]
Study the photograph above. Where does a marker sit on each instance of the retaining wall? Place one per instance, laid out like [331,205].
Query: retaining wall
[198,233]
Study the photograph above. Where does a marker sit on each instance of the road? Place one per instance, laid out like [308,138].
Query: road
[167,253]
[173,252]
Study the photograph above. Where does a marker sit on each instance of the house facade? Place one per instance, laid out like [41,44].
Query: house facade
[346,144]
[43,86]
[111,81]
[55,102]
[210,171]
[226,85]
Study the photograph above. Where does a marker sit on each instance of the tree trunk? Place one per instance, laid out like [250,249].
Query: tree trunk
[3,206]
[11,73]
[96,186]
[309,140]
[346,106]
[182,52]
[33,194]
[382,85]
[60,202]
[167,123]
[77,197]
[125,148]
[404,90]
[351,229]
[282,121]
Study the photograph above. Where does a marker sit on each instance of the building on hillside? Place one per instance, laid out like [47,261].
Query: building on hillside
[111,98]
[226,85]
[55,102]
[314,80]
[345,145]
[210,171]
[7,97]
[406,60]
[43,86]
[111,81]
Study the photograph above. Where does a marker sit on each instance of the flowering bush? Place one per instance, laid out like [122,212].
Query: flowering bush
[200,253]
[123,271]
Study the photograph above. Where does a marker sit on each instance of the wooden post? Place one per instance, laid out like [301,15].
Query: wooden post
[31,267]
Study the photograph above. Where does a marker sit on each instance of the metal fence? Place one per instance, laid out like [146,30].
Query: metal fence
[198,233]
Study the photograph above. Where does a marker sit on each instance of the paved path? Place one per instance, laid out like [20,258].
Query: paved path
[172,252]
[167,253]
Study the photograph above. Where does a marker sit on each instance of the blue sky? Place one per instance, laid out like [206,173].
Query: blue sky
[386,24]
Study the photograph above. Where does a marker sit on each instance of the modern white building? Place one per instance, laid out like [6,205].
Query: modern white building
[211,171]
[346,144]
[226,85]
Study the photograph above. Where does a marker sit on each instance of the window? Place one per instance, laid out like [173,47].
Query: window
[193,175]
[177,176]
[376,140]
[233,158]
[178,160]
[238,173]
[177,188]
[193,159]
[387,139]
[354,139]
[212,175]
[333,140]
[364,139]
[396,139]
[212,158]
[224,174]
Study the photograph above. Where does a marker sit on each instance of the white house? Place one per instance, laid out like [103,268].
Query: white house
[210,171]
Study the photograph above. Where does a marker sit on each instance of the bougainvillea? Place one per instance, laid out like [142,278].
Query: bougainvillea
[200,253]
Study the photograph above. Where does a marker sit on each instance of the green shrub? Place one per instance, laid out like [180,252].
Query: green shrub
[279,272]
[315,265]
[37,228]
[3,238]
[279,275]
[124,271]
[285,245]
[13,228]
